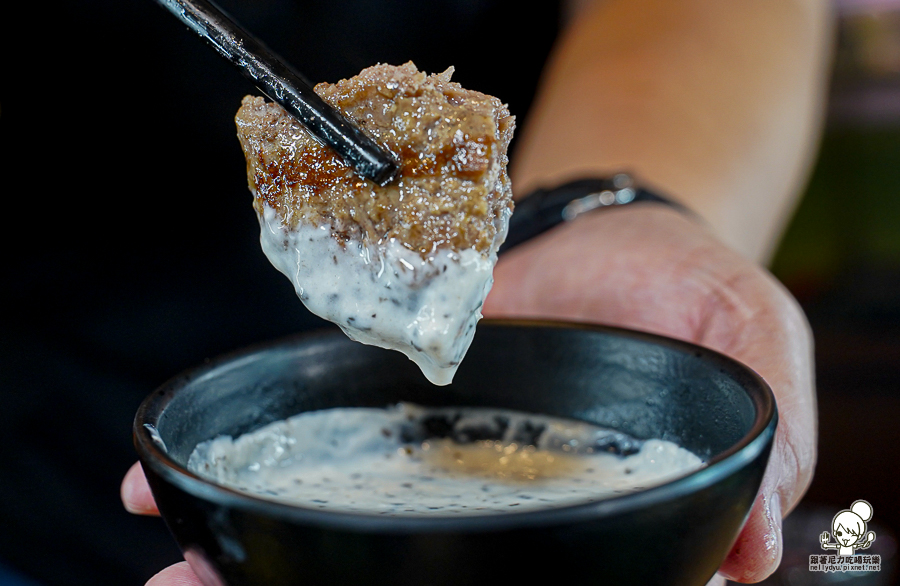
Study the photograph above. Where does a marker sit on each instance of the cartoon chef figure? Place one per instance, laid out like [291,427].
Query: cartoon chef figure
[849,527]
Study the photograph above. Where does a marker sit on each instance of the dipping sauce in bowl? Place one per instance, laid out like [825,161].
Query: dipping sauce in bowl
[411,460]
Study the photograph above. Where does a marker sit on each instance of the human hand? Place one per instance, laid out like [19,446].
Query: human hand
[647,267]
[137,498]
[650,268]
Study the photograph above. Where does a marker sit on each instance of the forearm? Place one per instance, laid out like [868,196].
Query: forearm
[716,103]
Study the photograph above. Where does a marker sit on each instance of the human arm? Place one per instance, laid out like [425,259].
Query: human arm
[723,119]
[716,103]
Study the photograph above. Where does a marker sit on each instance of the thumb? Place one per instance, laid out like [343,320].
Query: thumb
[178,575]
[757,551]
[135,493]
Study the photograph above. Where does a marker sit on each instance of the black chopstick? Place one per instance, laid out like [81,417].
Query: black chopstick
[284,85]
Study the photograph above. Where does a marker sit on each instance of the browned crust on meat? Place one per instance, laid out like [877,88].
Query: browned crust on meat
[451,142]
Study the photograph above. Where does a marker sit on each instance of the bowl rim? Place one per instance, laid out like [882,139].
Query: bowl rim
[755,442]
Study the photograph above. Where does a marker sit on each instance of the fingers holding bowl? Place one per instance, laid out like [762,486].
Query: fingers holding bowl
[135,492]
[180,574]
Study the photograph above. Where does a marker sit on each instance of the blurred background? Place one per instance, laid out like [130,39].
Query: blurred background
[132,252]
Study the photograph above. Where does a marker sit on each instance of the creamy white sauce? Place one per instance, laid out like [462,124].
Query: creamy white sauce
[389,462]
[386,295]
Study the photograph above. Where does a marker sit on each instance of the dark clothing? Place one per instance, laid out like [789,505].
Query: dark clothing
[131,247]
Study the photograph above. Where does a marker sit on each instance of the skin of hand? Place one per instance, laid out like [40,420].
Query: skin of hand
[650,268]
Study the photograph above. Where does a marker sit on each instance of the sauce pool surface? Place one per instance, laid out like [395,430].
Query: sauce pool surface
[410,460]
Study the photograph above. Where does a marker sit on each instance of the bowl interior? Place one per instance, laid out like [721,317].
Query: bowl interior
[643,385]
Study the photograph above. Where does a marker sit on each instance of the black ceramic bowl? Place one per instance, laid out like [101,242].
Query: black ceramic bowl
[647,386]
